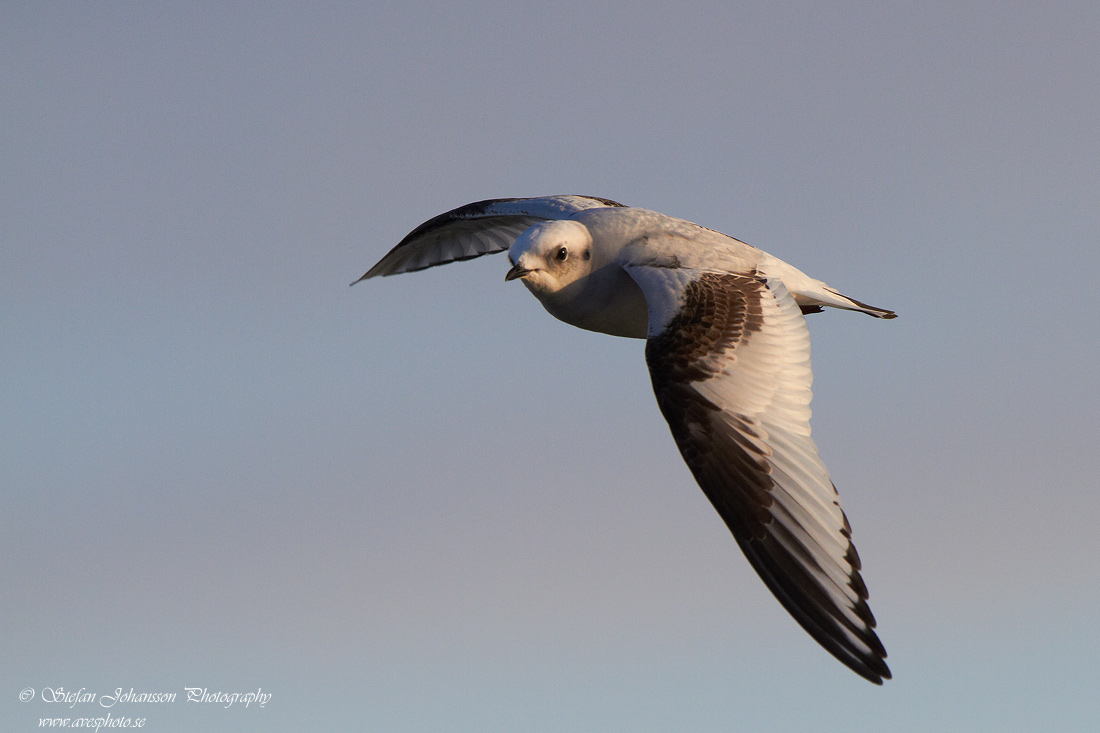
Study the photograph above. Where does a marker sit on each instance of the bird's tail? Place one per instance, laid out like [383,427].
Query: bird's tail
[813,295]
[854,305]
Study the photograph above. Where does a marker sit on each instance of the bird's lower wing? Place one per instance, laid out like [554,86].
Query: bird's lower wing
[476,229]
[729,356]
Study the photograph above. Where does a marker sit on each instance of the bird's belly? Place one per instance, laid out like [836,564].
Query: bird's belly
[612,304]
[622,319]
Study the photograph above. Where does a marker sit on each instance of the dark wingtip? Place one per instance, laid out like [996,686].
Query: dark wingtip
[882,674]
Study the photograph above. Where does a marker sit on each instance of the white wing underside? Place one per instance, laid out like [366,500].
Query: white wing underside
[731,370]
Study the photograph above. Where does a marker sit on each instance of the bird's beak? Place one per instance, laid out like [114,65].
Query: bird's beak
[516,271]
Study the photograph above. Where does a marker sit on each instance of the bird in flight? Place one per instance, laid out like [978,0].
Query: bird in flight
[728,353]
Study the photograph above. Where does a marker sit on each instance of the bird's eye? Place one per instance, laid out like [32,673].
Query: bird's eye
[562,253]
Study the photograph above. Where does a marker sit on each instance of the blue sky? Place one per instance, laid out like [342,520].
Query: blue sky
[423,504]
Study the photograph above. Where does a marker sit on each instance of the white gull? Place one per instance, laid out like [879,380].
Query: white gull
[729,356]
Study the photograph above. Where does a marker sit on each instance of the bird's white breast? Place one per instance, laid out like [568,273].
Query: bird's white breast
[606,300]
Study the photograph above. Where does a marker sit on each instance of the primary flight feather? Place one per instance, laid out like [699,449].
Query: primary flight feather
[728,352]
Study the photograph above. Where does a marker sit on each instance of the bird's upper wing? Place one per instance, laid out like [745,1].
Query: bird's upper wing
[476,229]
[729,356]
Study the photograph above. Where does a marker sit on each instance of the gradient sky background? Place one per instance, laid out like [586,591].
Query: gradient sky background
[424,504]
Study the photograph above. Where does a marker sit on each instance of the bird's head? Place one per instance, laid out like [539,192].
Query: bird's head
[551,256]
